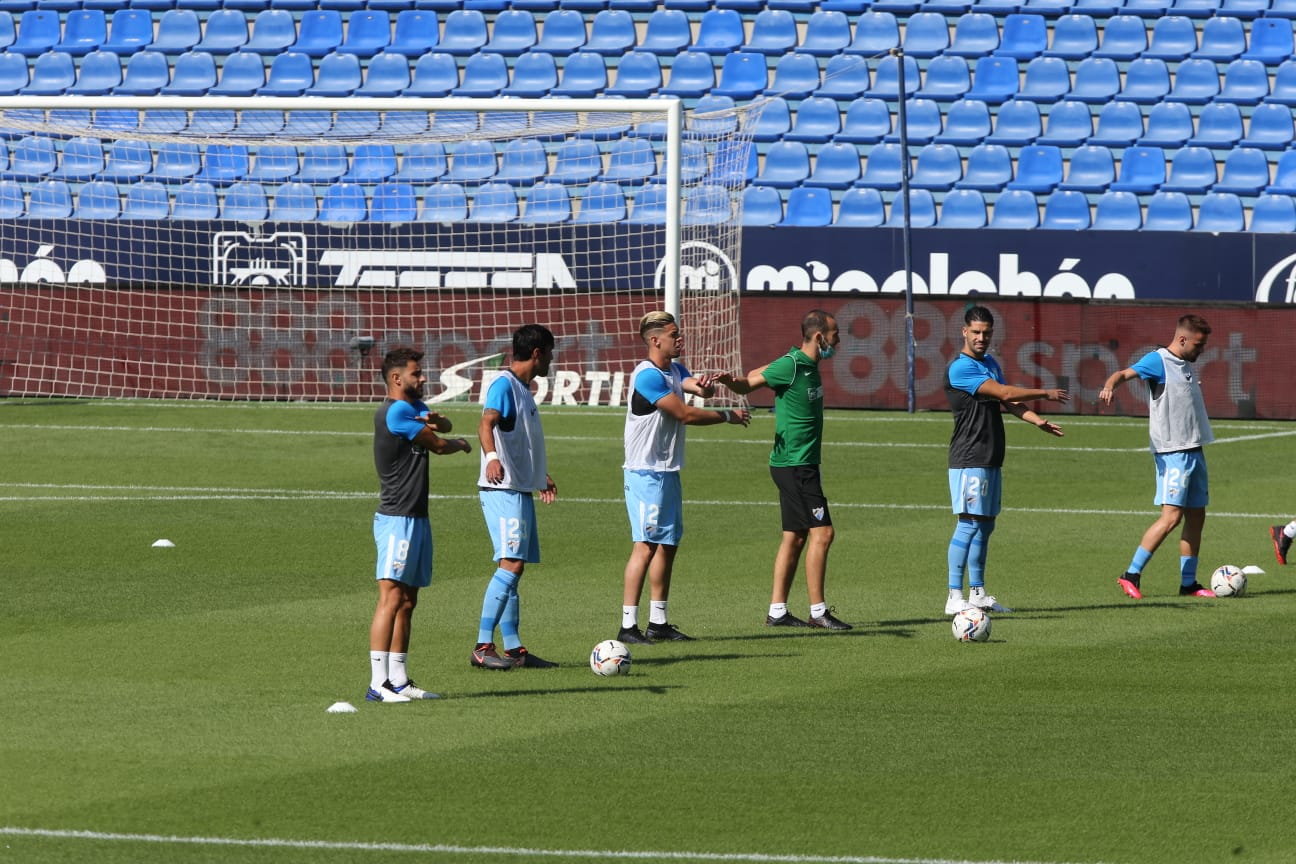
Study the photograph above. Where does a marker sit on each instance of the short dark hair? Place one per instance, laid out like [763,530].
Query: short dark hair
[978,313]
[399,358]
[1194,324]
[815,321]
[529,337]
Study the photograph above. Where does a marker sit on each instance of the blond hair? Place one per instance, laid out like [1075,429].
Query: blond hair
[654,321]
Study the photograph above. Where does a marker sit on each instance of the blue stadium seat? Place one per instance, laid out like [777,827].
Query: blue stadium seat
[720,31]
[667,33]
[484,76]
[796,76]
[1174,37]
[923,122]
[1196,82]
[861,208]
[1220,212]
[547,204]
[1023,36]
[612,33]
[576,162]
[967,122]
[921,208]
[808,207]
[886,78]
[52,73]
[337,75]
[1168,211]
[464,33]
[163,122]
[12,204]
[415,33]
[1075,37]
[1142,170]
[146,200]
[1117,211]
[388,75]
[116,119]
[1147,8]
[423,162]
[1119,125]
[224,164]
[876,33]
[707,204]
[735,164]
[1047,80]
[988,169]
[606,202]
[762,206]
[938,167]
[522,162]
[1091,169]
[244,202]
[98,199]
[444,202]
[393,202]
[584,75]
[1097,80]
[9,32]
[1284,84]
[866,121]
[1246,82]
[1124,37]
[995,79]
[1039,169]
[13,73]
[836,166]
[1192,171]
[494,202]
[926,35]
[1147,82]
[273,163]
[242,75]
[976,34]
[82,160]
[1066,210]
[291,73]
[1015,209]
[1070,124]
[787,165]
[1273,214]
[692,75]
[817,119]
[962,208]
[1219,126]
[50,199]
[434,75]
[649,206]
[997,8]
[1245,172]
[293,202]
[319,32]
[742,75]
[1244,8]
[273,30]
[1284,181]
[127,160]
[1195,8]
[226,31]
[368,31]
[631,161]
[1017,124]
[1279,9]
[84,30]
[342,203]
[196,201]
[562,32]
[882,167]
[1270,127]
[845,78]
[371,163]
[322,163]
[827,33]
[774,121]
[97,75]
[1271,41]
[192,74]
[1222,39]
[1169,124]
[39,30]
[948,78]
[513,33]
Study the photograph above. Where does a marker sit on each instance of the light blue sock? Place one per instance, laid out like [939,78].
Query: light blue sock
[1141,558]
[508,623]
[978,551]
[1187,569]
[964,531]
[497,595]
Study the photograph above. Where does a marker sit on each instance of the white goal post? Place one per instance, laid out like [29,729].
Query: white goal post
[268,248]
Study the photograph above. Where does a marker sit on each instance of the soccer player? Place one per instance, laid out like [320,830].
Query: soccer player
[794,466]
[978,396]
[1178,429]
[656,415]
[1282,539]
[513,469]
[405,431]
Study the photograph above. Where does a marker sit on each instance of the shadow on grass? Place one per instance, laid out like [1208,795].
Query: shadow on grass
[610,689]
[880,628]
[640,660]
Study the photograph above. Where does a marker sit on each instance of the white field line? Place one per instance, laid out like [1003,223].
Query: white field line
[449,849]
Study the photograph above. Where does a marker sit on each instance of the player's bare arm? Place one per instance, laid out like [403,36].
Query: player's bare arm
[549,493]
[701,385]
[691,415]
[434,443]
[1108,392]
[486,438]
[744,384]
[1010,393]
[437,422]
[1022,412]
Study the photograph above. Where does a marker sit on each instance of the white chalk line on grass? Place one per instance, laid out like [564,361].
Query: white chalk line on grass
[519,852]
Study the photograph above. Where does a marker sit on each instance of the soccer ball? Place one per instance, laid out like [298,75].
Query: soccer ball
[1228,581]
[971,625]
[610,657]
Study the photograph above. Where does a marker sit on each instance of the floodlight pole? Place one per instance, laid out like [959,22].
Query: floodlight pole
[905,238]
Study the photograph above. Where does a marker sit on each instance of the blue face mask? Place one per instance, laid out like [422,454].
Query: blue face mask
[826,350]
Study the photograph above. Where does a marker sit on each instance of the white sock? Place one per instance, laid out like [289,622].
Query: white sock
[956,593]
[629,616]
[778,610]
[396,673]
[1290,530]
[377,668]
[657,612]
[817,610]
[977,591]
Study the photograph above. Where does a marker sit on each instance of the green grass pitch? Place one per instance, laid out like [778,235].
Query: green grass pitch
[168,705]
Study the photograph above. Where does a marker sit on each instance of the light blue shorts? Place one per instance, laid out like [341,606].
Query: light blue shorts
[976,491]
[655,505]
[511,519]
[1182,480]
[404,549]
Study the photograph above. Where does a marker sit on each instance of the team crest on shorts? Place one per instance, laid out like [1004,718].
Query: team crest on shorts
[818,513]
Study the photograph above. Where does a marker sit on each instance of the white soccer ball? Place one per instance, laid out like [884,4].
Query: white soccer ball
[971,625]
[610,657]
[1228,581]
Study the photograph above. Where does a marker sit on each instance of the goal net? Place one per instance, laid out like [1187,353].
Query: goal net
[274,249]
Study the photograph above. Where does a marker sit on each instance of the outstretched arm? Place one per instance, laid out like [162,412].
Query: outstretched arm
[744,384]
[434,443]
[1021,412]
[1115,380]
[691,415]
[1009,393]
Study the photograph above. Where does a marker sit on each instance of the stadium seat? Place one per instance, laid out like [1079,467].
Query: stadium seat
[343,203]
[39,30]
[393,202]
[562,32]
[225,32]
[146,200]
[612,33]
[31,158]
[494,202]
[742,75]
[720,31]
[926,35]
[1147,82]
[242,75]
[50,199]
[1142,170]
[337,75]
[735,163]
[1271,41]
[223,164]
[423,162]
[13,73]
[1222,39]
[713,117]
[272,31]
[808,207]
[163,122]
[52,73]
[1097,80]
[127,160]
[1244,8]
[244,202]
[649,206]
[522,162]
[415,33]
[434,75]
[464,33]
[967,122]
[1117,211]
[512,34]
[1066,210]
[12,203]
[293,202]
[319,33]
[1219,212]
[547,204]
[147,72]
[1047,80]
[1273,214]
[273,163]
[631,161]
[845,78]
[1195,8]
[367,32]
[292,73]
[762,206]
[1124,38]
[1168,211]
[1246,82]
[1270,127]
[97,75]
[836,166]
[638,75]
[976,34]
[114,120]
[1070,124]
[473,161]
[388,75]
[584,75]
[709,204]
[1039,169]
[1015,209]
[938,167]
[1146,8]
[444,202]
[921,208]
[988,169]
[1279,9]
[866,121]
[1196,82]
[827,33]
[1090,170]
[98,199]
[1017,124]
[1169,124]
[876,33]
[192,74]
[796,76]
[196,201]
[81,161]
[886,78]
[1075,37]
[1284,180]
[962,208]
[9,32]
[606,202]
[484,76]
[576,162]
[1245,172]
[1192,171]
[817,119]
[322,163]
[787,165]
[882,167]
[995,79]
[948,78]
[861,208]
[1174,37]
[923,122]
[84,30]
[1023,36]
[667,33]
[1119,125]
[1284,84]
[1219,126]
